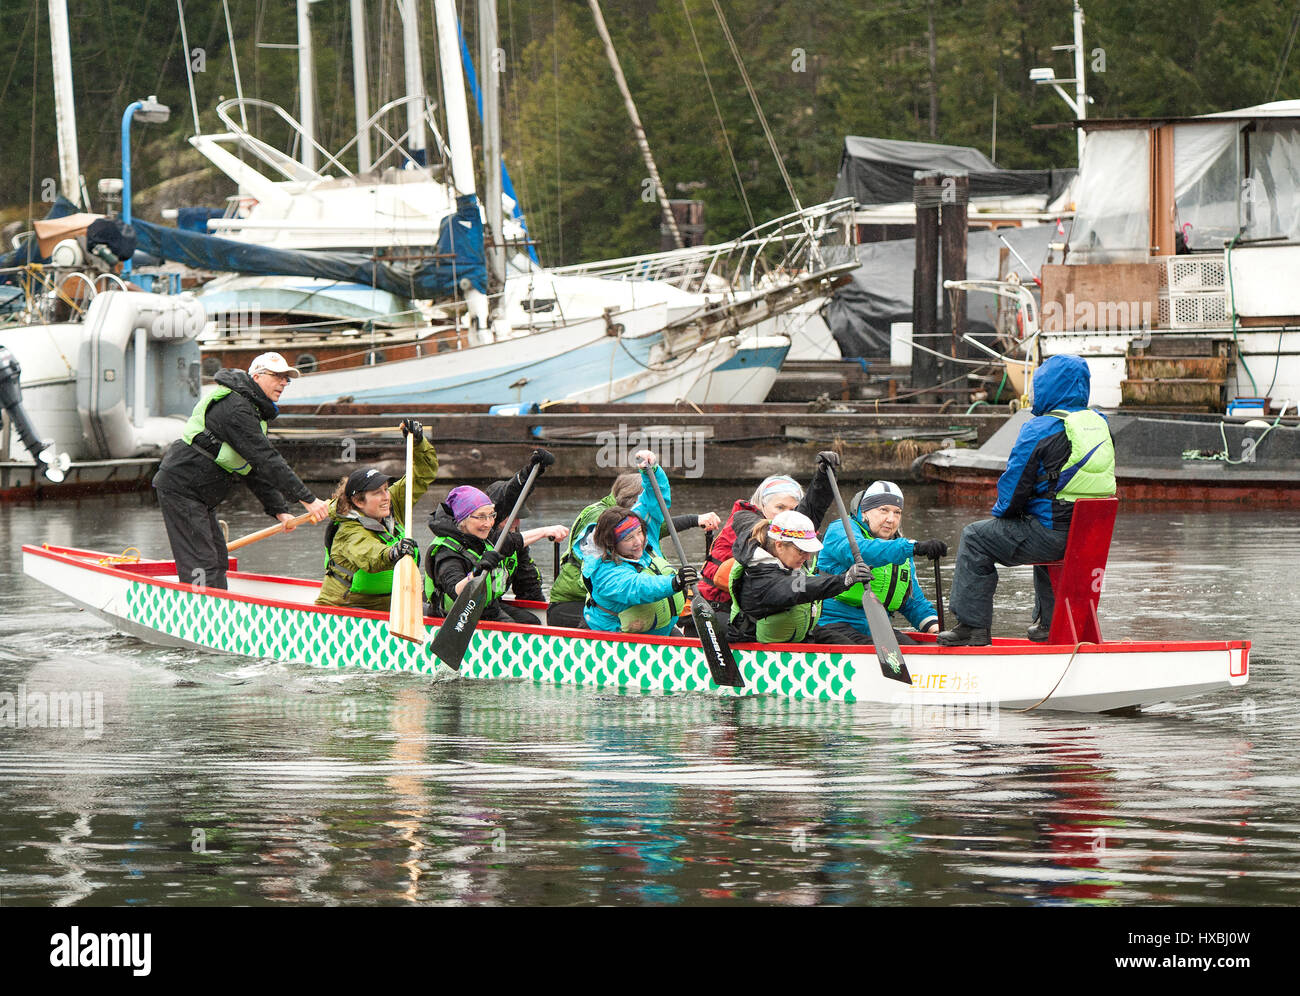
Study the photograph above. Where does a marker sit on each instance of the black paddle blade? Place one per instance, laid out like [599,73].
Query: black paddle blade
[453,636]
[717,652]
[882,637]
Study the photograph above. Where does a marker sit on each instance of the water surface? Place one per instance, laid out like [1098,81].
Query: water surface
[219,780]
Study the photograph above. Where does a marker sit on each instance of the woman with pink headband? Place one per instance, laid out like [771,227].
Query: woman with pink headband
[631,588]
[775,495]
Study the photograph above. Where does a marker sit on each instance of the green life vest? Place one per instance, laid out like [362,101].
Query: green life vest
[652,615]
[227,457]
[498,579]
[568,586]
[790,625]
[890,583]
[368,582]
[1091,464]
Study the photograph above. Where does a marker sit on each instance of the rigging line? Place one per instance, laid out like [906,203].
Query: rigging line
[726,140]
[18,51]
[31,165]
[1286,52]
[234,63]
[762,118]
[189,70]
[559,192]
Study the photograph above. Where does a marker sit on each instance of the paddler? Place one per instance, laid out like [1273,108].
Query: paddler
[1062,454]
[631,588]
[876,515]
[776,589]
[776,494]
[223,443]
[568,594]
[366,536]
[465,533]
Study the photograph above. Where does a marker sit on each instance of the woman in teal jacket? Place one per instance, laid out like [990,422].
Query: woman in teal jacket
[631,587]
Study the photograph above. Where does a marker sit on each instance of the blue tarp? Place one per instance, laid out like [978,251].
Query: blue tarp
[460,244]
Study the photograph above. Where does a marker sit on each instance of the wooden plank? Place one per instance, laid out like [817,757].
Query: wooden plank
[1096,296]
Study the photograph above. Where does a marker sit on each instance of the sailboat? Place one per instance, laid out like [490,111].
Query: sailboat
[95,382]
[510,330]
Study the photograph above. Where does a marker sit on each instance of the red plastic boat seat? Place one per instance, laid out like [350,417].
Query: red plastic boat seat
[1077,577]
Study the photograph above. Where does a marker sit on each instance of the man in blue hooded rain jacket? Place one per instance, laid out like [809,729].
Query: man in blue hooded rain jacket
[1049,468]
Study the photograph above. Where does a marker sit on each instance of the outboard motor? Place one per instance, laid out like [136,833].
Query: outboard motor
[51,465]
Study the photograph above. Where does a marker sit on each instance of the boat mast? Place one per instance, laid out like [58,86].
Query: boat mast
[1080,87]
[306,87]
[669,219]
[453,93]
[489,74]
[414,73]
[64,110]
[360,85]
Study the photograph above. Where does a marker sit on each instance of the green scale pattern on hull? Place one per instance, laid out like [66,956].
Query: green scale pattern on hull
[322,639]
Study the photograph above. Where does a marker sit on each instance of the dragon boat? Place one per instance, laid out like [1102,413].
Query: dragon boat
[263,616]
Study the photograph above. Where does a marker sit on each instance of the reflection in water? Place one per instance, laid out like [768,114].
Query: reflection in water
[225,781]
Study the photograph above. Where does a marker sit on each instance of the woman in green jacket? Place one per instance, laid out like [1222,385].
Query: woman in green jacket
[366,536]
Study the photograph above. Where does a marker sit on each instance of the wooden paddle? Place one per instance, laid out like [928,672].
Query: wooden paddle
[938,592]
[453,636]
[406,607]
[261,534]
[722,664]
[882,630]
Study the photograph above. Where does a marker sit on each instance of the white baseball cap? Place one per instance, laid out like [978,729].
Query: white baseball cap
[795,527]
[271,363]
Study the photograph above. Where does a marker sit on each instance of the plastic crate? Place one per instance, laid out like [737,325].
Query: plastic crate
[1191,274]
[1197,311]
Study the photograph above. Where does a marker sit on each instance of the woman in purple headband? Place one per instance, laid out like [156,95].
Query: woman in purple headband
[465,532]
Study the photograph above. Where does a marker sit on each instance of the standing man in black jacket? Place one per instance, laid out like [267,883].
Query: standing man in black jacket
[225,442]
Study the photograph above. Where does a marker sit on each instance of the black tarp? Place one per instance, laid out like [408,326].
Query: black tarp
[879,171]
[880,290]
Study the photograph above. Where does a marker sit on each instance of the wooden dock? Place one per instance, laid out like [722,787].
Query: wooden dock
[704,443]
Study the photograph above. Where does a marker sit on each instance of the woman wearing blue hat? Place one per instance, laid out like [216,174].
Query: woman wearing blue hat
[877,515]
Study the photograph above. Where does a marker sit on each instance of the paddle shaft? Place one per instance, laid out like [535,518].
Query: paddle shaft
[938,592]
[882,630]
[668,519]
[410,482]
[406,601]
[261,534]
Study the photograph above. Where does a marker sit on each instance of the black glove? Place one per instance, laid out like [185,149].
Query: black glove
[513,543]
[859,572]
[828,458]
[542,459]
[404,548]
[490,560]
[685,578]
[412,427]
[930,549]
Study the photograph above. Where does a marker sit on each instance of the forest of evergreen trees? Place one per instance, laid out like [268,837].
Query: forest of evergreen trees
[930,70]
